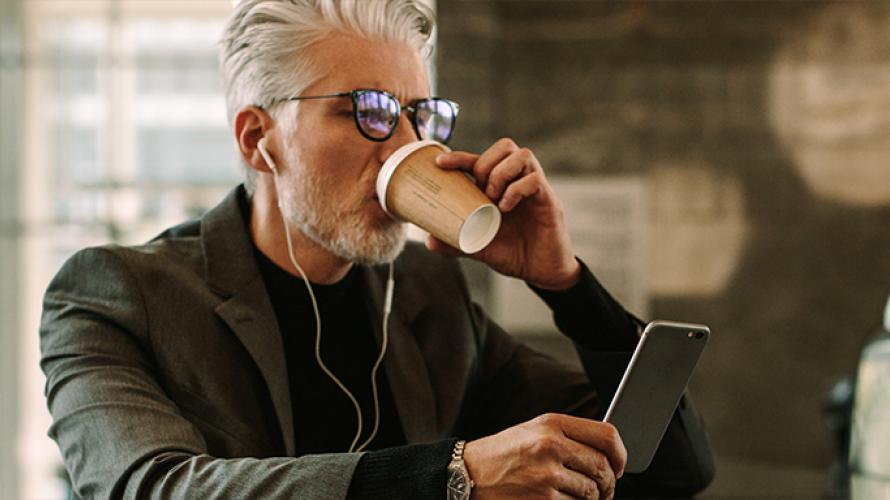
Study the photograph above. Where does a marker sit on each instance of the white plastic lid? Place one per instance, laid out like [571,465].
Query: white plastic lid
[389,167]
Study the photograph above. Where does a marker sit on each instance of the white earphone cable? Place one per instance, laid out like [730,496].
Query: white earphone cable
[390,285]
[387,307]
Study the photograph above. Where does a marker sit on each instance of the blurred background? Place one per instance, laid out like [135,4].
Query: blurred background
[721,162]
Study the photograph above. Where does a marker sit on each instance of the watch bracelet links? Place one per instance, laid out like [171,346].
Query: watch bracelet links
[458,454]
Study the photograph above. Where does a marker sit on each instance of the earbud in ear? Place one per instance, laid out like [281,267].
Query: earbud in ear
[261,145]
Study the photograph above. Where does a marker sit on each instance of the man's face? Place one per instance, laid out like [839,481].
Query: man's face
[327,179]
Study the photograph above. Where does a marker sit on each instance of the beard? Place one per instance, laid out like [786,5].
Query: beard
[351,233]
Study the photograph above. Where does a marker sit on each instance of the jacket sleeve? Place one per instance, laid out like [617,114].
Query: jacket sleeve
[119,434]
[522,384]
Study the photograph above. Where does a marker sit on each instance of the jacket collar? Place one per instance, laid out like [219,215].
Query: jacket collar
[229,263]
[404,363]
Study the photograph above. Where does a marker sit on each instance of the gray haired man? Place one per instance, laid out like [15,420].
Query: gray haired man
[237,356]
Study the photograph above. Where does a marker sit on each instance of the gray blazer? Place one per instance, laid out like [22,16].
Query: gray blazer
[166,377]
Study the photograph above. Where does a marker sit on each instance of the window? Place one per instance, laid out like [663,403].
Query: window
[124,135]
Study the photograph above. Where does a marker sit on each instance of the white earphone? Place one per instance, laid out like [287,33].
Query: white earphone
[387,308]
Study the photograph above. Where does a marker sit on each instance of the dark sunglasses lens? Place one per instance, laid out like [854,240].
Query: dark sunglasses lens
[435,119]
[376,113]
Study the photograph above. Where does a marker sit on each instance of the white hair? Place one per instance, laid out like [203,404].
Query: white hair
[263,48]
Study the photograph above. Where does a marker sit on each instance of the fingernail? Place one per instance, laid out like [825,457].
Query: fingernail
[439,159]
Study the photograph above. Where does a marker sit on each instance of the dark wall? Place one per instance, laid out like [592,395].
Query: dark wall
[759,107]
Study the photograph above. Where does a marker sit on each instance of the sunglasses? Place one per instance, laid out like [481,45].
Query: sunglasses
[377,112]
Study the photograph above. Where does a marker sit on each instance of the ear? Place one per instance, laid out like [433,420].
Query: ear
[251,125]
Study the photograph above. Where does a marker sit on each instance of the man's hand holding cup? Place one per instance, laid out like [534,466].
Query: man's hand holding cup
[533,242]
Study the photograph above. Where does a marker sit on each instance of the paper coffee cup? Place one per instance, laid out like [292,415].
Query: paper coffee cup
[446,203]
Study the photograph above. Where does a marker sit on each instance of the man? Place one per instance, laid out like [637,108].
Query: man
[201,364]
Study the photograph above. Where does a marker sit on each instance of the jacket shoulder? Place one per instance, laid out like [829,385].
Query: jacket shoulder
[177,249]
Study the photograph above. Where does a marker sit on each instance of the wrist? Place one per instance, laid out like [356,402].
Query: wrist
[563,281]
[460,485]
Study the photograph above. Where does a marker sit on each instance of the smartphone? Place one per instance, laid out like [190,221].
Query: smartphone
[652,386]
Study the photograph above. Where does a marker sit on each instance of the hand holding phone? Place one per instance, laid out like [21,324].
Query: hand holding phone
[652,386]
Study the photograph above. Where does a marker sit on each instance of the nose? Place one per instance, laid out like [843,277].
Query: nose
[403,134]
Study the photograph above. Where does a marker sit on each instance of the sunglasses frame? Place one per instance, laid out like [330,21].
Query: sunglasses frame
[411,108]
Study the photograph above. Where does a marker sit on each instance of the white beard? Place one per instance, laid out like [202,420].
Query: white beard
[347,234]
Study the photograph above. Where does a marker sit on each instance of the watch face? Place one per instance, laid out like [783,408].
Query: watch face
[458,487]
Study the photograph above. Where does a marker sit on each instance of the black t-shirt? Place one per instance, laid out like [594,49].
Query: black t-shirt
[324,418]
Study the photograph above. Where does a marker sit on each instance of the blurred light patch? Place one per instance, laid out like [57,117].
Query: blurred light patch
[830,102]
[699,229]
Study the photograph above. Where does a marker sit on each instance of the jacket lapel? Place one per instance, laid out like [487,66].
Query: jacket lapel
[231,271]
[404,362]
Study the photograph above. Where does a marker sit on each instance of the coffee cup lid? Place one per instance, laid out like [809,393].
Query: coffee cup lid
[389,167]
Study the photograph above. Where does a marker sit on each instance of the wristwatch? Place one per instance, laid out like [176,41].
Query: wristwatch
[459,482]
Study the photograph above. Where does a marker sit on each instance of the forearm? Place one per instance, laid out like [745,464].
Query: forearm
[175,474]
[603,332]
[414,471]
[589,315]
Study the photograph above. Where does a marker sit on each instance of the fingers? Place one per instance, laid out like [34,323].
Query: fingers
[513,166]
[600,436]
[562,496]
[496,168]
[492,157]
[526,187]
[593,466]
[572,468]
[478,165]
[575,484]
[460,160]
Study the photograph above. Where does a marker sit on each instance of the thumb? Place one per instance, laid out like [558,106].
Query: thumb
[438,246]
